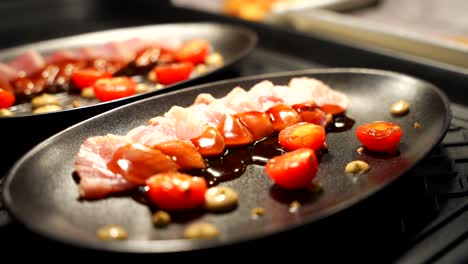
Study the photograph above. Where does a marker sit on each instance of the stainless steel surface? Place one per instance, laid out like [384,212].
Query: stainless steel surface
[407,39]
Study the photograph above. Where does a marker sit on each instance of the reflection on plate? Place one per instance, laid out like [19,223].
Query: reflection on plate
[41,193]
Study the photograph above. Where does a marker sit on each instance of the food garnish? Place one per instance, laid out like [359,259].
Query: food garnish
[221,199]
[112,232]
[201,230]
[399,108]
[161,218]
[357,167]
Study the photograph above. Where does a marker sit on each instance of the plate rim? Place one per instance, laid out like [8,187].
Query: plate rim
[184,245]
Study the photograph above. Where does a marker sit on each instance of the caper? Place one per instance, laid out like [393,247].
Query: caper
[157,86]
[5,112]
[112,232]
[360,150]
[220,198]
[152,76]
[141,88]
[201,230]
[44,99]
[88,92]
[257,212]
[200,69]
[215,59]
[400,107]
[294,206]
[47,109]
[357,167]
[161,218]
[76,103]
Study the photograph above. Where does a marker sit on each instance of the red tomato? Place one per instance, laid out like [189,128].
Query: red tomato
[258,123]
[282,116]
[312,114]
[194,51]
[176,191]
[332,109]
[108,89]
[293,170]
[174,72]
[183,153]
[210,143]
[87,77]
[6,98]
[302,135]
[379,136]
[136,162]
[235,133]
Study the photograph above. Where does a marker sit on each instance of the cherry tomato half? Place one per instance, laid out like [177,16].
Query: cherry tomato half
[6,98]
[176,190]
[302,135]
[83,78]
[136,162]
[194,51]
[209,143]
[107,89]
[379,136]
[174,72]
[282,116]
[293,170]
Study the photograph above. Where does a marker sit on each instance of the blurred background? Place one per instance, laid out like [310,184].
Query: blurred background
[431,29]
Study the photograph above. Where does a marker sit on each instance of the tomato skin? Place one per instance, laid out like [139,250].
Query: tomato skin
[174,72]
[209,143]
[282,116]
[176,190]
[311,113]
[258,123]
[235,133]
[83,78]
[107,89]
[194,51]
[6,98]
[293,170]
[140,162]
[183,153]
[332,109]
[302,135]
[379,136]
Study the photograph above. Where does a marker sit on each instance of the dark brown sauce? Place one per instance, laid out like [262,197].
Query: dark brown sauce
[233,163]
[340,123]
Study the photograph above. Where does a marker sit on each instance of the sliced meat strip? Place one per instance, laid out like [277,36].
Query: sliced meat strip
[28,63]
[62,56]
[96,179]
[313,89]
[152,135]
[7,73]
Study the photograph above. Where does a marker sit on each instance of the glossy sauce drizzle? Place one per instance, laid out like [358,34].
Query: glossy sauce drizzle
[233,163]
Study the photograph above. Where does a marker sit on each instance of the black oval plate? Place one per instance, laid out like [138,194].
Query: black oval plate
[232,42]
[41,193]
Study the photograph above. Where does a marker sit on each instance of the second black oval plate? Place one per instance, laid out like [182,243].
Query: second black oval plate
[26,130]
[41,193]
